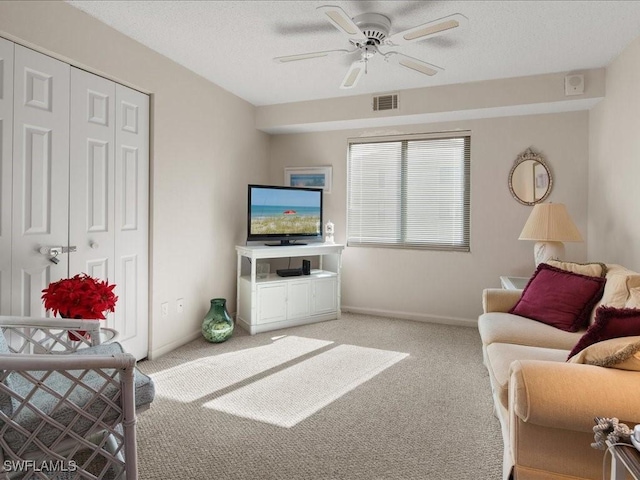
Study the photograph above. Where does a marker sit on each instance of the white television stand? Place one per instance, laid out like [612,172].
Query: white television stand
[274,302]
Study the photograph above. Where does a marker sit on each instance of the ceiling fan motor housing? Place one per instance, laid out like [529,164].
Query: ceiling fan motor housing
[374,26]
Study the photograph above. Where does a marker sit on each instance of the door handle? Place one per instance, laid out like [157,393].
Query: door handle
[54,251]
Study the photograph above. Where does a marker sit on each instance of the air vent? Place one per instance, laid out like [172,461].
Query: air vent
[385,102]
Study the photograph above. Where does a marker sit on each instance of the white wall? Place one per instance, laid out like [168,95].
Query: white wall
[204,151]
[440,285]
[614,165]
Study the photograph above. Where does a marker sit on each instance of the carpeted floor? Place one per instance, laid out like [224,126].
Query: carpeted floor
[427,415]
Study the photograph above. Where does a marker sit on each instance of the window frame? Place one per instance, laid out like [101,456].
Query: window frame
[463,246]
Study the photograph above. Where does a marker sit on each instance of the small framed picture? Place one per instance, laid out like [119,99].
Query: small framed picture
[314,177]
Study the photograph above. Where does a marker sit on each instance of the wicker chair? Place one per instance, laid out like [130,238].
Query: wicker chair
[68,401]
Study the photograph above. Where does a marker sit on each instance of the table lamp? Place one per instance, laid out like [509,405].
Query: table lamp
[549,225]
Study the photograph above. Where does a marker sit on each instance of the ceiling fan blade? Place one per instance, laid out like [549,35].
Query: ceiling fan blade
[342,22]
[427,30]
[353,74]
[305,56]
[412,63]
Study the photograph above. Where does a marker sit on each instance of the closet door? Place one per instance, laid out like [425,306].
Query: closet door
[91,186]
[109,190]
[40,176]
[132,220]
[6,142]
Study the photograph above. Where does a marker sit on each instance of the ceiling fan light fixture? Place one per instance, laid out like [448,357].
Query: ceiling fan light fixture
[430,30]
[369,30]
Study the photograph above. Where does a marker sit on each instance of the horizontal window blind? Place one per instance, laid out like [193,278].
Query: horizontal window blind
[409,192]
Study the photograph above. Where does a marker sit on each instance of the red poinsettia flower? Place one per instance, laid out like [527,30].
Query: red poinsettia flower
[80,296]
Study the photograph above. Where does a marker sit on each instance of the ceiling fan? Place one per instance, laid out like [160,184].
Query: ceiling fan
[369,34]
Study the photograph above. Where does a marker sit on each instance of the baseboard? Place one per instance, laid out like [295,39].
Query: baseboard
[418,317]
[157,353]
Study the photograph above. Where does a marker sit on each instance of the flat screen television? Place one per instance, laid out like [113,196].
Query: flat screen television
[285,215]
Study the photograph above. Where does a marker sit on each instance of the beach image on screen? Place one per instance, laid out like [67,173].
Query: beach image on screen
[279,211]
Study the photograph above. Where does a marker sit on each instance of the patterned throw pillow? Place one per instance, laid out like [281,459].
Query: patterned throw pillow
[610,323]
[620,353]
[559,298]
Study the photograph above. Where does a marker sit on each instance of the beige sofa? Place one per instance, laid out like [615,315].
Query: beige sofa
[545,405]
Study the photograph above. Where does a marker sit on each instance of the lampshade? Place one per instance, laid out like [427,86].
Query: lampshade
[550,222]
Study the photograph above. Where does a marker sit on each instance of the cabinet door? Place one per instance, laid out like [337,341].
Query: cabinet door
[272,302]
[324,296]
[298,299]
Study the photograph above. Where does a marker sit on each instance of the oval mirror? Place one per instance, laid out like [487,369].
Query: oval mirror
[530,179]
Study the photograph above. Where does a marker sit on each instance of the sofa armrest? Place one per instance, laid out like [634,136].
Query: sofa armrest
[499,299]
[570,395]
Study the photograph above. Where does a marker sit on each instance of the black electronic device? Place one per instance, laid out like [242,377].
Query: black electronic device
[289,272]
[286,215]
[306,267]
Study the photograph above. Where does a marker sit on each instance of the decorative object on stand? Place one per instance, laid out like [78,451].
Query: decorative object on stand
[217,325]
[609,429]
[549,224]
[79,297]
[263,269]
[530,178]
[329,230]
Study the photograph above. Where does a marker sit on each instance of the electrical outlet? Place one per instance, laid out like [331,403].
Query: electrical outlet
[165,309]
[180,305]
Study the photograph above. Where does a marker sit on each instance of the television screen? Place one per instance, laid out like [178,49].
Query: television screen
[284,213]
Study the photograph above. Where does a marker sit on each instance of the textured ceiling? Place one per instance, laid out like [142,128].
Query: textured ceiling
[232,43]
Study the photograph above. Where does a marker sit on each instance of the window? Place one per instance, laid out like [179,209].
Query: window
[409,192]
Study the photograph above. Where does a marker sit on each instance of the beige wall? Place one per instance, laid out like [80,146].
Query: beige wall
[447,286]
[204,151]
[614,165]
[533,94]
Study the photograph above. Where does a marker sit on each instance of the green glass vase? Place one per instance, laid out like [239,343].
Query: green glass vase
[217,325]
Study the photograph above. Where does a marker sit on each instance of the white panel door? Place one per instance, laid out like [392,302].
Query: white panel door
[40,176]
[6,156]
[132,220]
[92,187]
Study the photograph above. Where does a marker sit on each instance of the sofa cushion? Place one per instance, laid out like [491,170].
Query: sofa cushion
[559,298]
[610,323]
[621,353]
[594,269]
[499,327]
[500,356]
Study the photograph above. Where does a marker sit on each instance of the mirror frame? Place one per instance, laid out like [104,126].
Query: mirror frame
[529,154]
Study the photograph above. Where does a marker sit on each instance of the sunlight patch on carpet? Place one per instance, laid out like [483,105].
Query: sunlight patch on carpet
[289,396]
[205,376]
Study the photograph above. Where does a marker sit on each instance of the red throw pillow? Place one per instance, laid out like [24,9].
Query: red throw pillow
[610,323]
[559,298]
